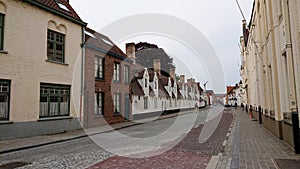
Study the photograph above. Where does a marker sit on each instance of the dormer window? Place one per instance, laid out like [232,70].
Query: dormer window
[146,82]
[62,6]
[107,41]
[155,85]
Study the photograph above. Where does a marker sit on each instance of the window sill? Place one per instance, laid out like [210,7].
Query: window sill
[4,52]
[55,118]
[6,122]
[99,79]
[98,116]
[288,121]
[52,61]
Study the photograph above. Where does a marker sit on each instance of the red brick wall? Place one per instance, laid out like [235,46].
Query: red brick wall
[107,86]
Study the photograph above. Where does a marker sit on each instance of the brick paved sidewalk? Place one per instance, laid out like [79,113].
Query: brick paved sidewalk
[252,146]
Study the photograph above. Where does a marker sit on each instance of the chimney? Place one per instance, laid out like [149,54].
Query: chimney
[245,32]
[130,51]
[182,78]
[156,66]
[172,73]
[189,82]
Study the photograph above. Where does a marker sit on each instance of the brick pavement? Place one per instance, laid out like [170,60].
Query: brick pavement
[189,153]
[251,146]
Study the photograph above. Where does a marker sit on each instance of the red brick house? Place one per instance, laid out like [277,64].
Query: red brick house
[107,79]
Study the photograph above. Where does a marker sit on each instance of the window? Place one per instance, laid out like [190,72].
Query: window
[155,103]
[116,71]
[146,82]
[99,67]
[54,100]
[155,85]
[55,46]
[4,99]
[99,100]
[1,31]
[145,103]
[126,74]
[117,104]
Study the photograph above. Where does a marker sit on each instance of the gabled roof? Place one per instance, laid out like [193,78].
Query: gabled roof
[136,89]
[230,89]
[53,7]
[103,44]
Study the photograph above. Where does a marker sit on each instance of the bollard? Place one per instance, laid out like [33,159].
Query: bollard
[295,121]
[260,115]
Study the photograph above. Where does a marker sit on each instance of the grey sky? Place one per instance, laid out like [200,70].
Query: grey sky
[218,20]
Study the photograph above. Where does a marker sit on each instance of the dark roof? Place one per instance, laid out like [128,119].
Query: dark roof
[230,89]
[136,89]
[99,41]
[209,91]
[140,74]
[53,7]
[179,96]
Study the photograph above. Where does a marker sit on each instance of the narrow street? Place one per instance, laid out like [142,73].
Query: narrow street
[168,146]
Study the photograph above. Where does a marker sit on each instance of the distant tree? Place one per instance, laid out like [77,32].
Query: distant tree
[146,53]
[177,77]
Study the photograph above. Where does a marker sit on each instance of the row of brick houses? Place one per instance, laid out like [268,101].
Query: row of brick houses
[57,75]
[270,67]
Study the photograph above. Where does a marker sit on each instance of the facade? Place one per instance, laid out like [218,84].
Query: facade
[235,95]
[107,78]
[270,66]
[210,96]
[154,91]
[39,93]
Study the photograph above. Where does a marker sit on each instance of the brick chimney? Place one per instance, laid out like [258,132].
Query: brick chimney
[182,78]
[157,66]
[130,51]
[172,73]
[189,82]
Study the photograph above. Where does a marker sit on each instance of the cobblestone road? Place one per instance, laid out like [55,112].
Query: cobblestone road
[188,153]
[179,148]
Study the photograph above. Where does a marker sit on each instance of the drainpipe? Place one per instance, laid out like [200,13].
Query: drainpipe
[291,79]
[82,73]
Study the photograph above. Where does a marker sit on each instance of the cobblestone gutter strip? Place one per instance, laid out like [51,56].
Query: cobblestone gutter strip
[225,158]
[235,164]
[70,138]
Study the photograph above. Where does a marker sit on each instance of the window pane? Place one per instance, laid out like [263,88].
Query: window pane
[50,50]
[116,103]
[59,53]
[64,105]
[55,46]
[3,107]
[4,99]
[54,106]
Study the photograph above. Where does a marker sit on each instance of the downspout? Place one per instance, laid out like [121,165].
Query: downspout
[292,85]
[82,73]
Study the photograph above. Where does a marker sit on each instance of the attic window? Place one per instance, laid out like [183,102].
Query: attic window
[90,34]
[107,41]
[63,6]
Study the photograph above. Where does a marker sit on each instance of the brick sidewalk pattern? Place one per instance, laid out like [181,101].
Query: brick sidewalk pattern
[189,153]
[257,147]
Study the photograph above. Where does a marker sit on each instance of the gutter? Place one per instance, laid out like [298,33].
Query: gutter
[108,52]
[33,2]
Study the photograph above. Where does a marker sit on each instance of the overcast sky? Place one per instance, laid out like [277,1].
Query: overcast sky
[218,20]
